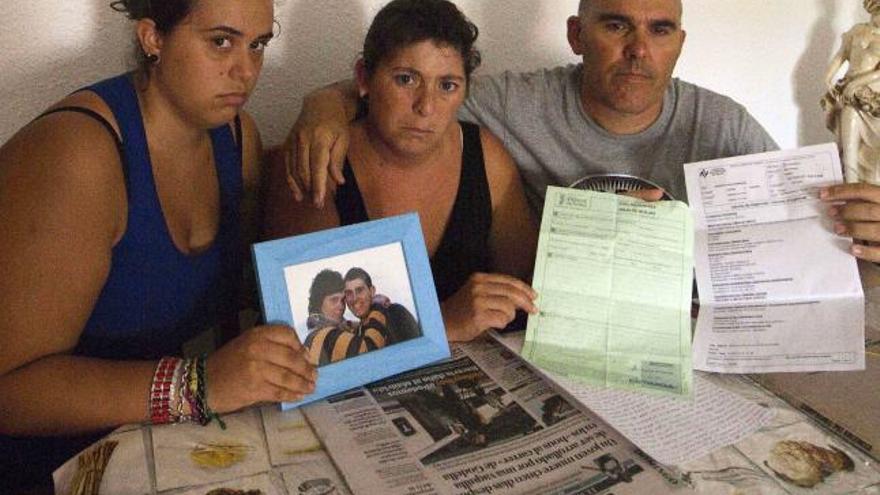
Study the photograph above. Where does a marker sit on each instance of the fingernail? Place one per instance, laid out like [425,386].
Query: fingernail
[839,228]
[857,250]
[823,193]
[833,212]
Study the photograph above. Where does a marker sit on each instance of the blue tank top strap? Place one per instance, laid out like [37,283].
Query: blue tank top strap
[349,202]
[156,297]
[228,160]
[120,94]
[464,249]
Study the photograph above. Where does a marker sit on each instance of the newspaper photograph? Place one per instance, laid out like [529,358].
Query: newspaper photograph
[481,422]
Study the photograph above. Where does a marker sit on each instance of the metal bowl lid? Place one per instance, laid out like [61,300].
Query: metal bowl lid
[616,183]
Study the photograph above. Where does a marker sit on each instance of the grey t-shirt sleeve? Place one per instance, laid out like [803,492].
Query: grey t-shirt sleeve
[486,102]
[753,138]
[725,127]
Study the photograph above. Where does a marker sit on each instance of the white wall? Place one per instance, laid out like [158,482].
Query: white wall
[768,54]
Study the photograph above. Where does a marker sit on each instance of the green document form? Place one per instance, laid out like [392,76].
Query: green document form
[614,277]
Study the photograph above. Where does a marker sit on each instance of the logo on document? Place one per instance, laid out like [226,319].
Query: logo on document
[714,172]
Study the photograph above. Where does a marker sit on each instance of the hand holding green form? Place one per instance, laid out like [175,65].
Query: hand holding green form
[614,276]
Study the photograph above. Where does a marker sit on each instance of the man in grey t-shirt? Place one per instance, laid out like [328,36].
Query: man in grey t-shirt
[619,111]
[556,144]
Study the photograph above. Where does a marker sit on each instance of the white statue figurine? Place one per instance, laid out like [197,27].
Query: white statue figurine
[852,104]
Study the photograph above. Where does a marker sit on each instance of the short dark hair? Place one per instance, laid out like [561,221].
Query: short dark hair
[326,282]
[404,22]
[167,14]
[358,273]
[584,4]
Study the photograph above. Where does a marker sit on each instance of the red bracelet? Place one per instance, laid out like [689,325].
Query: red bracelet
[162,391]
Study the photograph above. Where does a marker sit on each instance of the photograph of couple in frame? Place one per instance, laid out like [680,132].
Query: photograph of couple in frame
[361,298]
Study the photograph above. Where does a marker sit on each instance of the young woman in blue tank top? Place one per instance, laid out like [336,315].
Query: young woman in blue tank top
[409,153]
[125,211]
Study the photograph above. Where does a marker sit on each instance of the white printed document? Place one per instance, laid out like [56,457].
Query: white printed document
[779,291]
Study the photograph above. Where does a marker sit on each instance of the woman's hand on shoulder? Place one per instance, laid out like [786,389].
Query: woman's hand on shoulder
[316,145]
[486,301]
[264,364]
[282,215]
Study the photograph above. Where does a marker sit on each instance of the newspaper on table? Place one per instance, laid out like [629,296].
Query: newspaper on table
[669,430]
[482,422]
[779,291]
[614,278]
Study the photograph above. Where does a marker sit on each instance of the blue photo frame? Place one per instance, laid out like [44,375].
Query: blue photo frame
[276,260]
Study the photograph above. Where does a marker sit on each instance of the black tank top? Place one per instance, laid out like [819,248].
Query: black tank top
[464,247]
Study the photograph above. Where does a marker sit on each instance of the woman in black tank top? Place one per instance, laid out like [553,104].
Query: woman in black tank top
[409,153]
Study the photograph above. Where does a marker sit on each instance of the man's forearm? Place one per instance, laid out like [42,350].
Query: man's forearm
[338,99]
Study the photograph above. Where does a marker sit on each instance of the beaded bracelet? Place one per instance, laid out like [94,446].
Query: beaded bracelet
[178,392]
[184,408]
[163,390]
[200,390]
[187,394]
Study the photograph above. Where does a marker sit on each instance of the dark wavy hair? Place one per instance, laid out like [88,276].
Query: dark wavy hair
[326,282]
[167,14]
[359,273]
[403,22]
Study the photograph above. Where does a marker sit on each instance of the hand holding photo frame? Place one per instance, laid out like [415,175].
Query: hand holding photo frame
[361,298]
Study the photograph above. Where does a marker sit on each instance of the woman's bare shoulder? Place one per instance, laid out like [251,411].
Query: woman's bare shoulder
[67,156]
[252,150]
[63,205]
[500,167]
